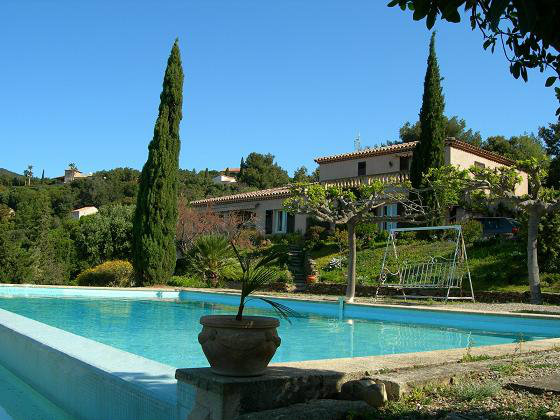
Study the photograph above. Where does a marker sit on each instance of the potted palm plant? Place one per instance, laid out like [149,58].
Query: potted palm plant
[239,345]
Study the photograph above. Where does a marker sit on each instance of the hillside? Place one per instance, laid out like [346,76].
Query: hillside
[6,172]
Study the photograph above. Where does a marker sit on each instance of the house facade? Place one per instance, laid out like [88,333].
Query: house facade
[387,164]
[84,211]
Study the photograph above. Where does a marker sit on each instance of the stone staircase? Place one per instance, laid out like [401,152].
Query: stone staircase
[296,260]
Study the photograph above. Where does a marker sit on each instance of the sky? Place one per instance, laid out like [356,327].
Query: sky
[80,81]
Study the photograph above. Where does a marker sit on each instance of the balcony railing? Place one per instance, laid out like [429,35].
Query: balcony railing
[389,177]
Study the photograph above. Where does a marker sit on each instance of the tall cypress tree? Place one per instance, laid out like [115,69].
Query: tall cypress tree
[155,218]
[429,152]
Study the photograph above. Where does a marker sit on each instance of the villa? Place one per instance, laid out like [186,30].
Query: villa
[387,163]
[71,174]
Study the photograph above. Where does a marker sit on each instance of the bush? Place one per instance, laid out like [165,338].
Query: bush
[116,273]
[367,232]
[549,243]
[315,236]
[472,231]
[186,281]
[209,256]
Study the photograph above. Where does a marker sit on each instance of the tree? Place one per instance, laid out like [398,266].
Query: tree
[551,137]
[28,173]
[529,29]
[345,206]
[522,147]
[155,219]
[454,127]
[260,171]
[498,186]
[429,152]
[300,175]
[72,166]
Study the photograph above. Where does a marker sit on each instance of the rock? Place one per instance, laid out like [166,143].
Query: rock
[367,390]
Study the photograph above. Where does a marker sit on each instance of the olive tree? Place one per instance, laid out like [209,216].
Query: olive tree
[350,206]
[498,185]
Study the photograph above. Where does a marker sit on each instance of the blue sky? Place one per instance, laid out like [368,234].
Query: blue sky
[80,81]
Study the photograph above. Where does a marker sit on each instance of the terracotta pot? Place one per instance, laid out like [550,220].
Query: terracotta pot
[312,278]
[238,348]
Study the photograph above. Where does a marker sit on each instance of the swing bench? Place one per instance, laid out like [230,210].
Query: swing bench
[435,273]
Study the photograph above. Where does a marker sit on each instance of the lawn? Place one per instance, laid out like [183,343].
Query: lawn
[497,265]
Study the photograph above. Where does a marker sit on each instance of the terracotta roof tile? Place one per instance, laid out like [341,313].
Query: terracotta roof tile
[269,194]
[406,147]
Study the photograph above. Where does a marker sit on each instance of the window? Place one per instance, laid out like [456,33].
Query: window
[390,210]
[404,163]
[361,168]
[280,221]
[479,165]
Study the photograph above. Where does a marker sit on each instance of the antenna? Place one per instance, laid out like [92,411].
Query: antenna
[357,143]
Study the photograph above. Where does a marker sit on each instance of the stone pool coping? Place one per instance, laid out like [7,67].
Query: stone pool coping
[286,296]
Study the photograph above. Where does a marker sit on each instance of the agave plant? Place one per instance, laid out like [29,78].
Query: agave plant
[256,273]
[210,255]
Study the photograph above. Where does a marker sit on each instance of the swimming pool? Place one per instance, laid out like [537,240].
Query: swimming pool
[165,330]
[113,353]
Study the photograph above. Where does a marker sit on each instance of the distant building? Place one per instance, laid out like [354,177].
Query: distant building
[71,175]
[231,171]
[84,211]
[223,179]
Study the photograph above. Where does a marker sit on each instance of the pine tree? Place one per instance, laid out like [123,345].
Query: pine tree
[155,218]
[429,152]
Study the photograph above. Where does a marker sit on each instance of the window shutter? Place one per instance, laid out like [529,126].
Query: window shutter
[268,222]
[291,223]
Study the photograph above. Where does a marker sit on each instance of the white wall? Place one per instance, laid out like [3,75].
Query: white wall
[259,207]
[349,168]
[465,160]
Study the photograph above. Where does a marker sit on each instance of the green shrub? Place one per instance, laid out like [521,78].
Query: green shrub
[186,281]
[315,236]
[117,273]
[549,243]
[367,232]
[209,257]
[472,230]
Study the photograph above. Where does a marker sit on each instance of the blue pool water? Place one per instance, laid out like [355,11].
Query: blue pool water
[18,401]
[166,331]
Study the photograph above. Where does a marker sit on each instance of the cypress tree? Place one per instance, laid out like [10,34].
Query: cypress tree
[429,152]
[155,218]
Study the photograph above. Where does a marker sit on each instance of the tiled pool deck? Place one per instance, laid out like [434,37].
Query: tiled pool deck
[92,380]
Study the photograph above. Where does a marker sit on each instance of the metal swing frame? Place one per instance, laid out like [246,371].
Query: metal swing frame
[422,275]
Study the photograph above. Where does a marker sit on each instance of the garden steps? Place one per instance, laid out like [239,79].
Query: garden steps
[296,259]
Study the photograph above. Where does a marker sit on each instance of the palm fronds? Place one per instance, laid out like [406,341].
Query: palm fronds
[257,273]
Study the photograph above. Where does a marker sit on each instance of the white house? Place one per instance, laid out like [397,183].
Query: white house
[84,211]
[223,179]
[388,163]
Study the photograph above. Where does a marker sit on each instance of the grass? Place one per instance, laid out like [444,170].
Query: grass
[473,391]
[496,265]
[476,358]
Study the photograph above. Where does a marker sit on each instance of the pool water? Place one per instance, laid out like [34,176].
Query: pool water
[18,401]
[166,331]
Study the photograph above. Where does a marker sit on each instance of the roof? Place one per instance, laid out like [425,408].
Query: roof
[408,147]
[86,208]
[269,194]
[233,170]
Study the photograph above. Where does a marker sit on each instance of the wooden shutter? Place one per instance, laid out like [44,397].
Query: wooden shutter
[268,222]
[291,223]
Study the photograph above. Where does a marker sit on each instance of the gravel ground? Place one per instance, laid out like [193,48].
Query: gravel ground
[482,395]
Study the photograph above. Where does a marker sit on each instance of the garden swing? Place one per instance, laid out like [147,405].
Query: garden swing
[442,269]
